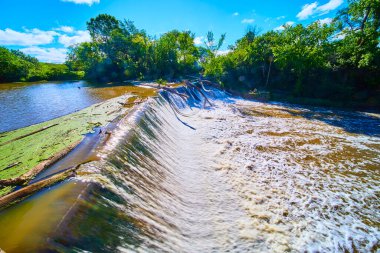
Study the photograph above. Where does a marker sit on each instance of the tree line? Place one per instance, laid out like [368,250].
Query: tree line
[16,66]
[120,51]
[339,61]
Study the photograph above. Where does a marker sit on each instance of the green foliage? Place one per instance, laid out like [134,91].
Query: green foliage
[338,61]
[17,66]
[119,51]
[359,24]
[14,65]
[212,46]
[101,27]
[300,51]
[174,54]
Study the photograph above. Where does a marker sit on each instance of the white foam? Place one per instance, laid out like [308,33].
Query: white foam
[244,175]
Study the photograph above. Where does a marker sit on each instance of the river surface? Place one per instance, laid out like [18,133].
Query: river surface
[231,175]
[24,104]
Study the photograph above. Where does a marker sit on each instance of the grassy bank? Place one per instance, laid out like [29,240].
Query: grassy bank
[23,149]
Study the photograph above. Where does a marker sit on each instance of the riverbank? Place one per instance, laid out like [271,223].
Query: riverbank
[27,151]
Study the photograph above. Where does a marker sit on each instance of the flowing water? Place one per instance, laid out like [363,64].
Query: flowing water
[24,104]
[234,176]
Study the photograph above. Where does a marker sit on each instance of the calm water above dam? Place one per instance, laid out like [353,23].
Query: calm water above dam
[24,104]
[237,176]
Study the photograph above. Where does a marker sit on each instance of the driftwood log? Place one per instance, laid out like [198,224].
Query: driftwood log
[30,189]
[189,84]
[11,166]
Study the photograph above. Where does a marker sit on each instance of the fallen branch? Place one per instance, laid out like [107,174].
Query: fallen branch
[130,104]
[114,111]
[203,87]
[11,165]
[30,189]
[203,79]
[183,96]
[189,84]
[26,135]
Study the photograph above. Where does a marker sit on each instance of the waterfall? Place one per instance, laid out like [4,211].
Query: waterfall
[207,172]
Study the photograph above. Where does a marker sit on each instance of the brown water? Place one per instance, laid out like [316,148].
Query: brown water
[25,226]
[240,176]
[24,104]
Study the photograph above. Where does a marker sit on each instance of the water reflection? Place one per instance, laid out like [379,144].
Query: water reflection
[25,226]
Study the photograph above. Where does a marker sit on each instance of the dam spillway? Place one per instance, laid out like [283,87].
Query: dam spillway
[210,172]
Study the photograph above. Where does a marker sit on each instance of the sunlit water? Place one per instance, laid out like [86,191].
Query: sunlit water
[24,104]
[238,176]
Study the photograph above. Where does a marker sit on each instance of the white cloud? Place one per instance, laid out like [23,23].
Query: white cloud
[66,29]
[325,21]
[280,17]
[35,37]
[88,2]
[222,52]
[339,36]
[32,39]
[198,40]
[235,14]
[79,37]
[28,38]
[53,55]
[209,43]
[247,21]
[307,11]
[331,5]
[313,8]
[282,27]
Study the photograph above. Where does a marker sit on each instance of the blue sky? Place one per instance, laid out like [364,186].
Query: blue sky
[45,28]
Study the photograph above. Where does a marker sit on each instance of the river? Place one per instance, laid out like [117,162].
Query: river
[24,104]
[231,175]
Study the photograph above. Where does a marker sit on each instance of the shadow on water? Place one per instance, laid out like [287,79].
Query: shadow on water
[352,122]
[195,99]
[355,122]
[97,225]
[191,103]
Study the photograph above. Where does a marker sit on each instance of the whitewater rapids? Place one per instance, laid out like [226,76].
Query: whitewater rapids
[232,175]
[242,176]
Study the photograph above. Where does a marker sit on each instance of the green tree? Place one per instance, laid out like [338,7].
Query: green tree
[212,45]
[359,26]
[101,27]
[300,51]
[12,66]
[175,54]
